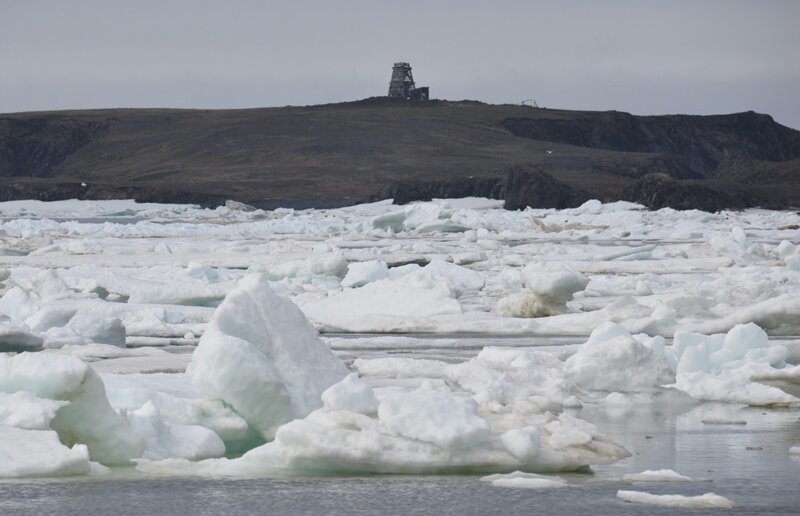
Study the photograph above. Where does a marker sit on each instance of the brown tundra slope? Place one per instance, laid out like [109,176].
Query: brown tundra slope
[339,154]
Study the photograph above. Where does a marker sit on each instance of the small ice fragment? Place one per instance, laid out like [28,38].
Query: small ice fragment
[642,289]
[520,480]
[361,273]
[708,500]
[794,450]
[350,394]
[660,475]
[529,483]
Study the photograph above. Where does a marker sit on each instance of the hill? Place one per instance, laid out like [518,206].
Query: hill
[338,154]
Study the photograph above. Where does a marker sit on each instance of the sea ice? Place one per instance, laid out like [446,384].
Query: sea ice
[361,273]
[39,453]
[17,305]
[24,410]
[723,367]
[88,418]
[14,338]
[660,475]
[425,430]
[72,283]
[380,305]
[522,480]
[399,367]
[178,403]
[708,500]
[327,263]
[164,440]
[350,394]
[614,360]
[261,356]
[435,417]
[787,379]
[424,217]
[549,287]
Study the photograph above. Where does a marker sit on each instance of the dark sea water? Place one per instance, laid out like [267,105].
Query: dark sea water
[369,495]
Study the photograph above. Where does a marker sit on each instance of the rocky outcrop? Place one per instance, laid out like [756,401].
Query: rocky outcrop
[34,147]
[58,191]
[758,172]
[700,142]
[528,186]
[404,192]
[658,191]
[522,186]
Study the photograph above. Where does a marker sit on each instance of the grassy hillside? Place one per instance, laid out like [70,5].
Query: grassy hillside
[345,152]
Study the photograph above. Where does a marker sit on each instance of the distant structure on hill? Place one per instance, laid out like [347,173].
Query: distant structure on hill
[402,84]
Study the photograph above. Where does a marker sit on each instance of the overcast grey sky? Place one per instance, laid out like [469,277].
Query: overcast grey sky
[645,57]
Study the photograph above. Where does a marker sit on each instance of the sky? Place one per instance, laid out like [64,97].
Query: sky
[639,56]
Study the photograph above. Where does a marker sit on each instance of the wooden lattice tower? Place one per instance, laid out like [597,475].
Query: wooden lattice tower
[402,83]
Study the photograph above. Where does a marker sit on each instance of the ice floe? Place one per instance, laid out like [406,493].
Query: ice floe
[522,480]
[93,286]
[87,418]
[260,356]
[39,453]
[660,475]
[708,500]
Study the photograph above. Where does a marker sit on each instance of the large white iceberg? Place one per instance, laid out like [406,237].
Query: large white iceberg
[261,356]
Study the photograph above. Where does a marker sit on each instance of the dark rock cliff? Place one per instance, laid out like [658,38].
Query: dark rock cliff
[529,186]
[403,192]
[700,142]
[658,191]
[753,172]
[35,147]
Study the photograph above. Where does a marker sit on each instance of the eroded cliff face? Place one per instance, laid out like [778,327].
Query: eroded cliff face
[757,172]
[699,143]
[403,192]
[36,147]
